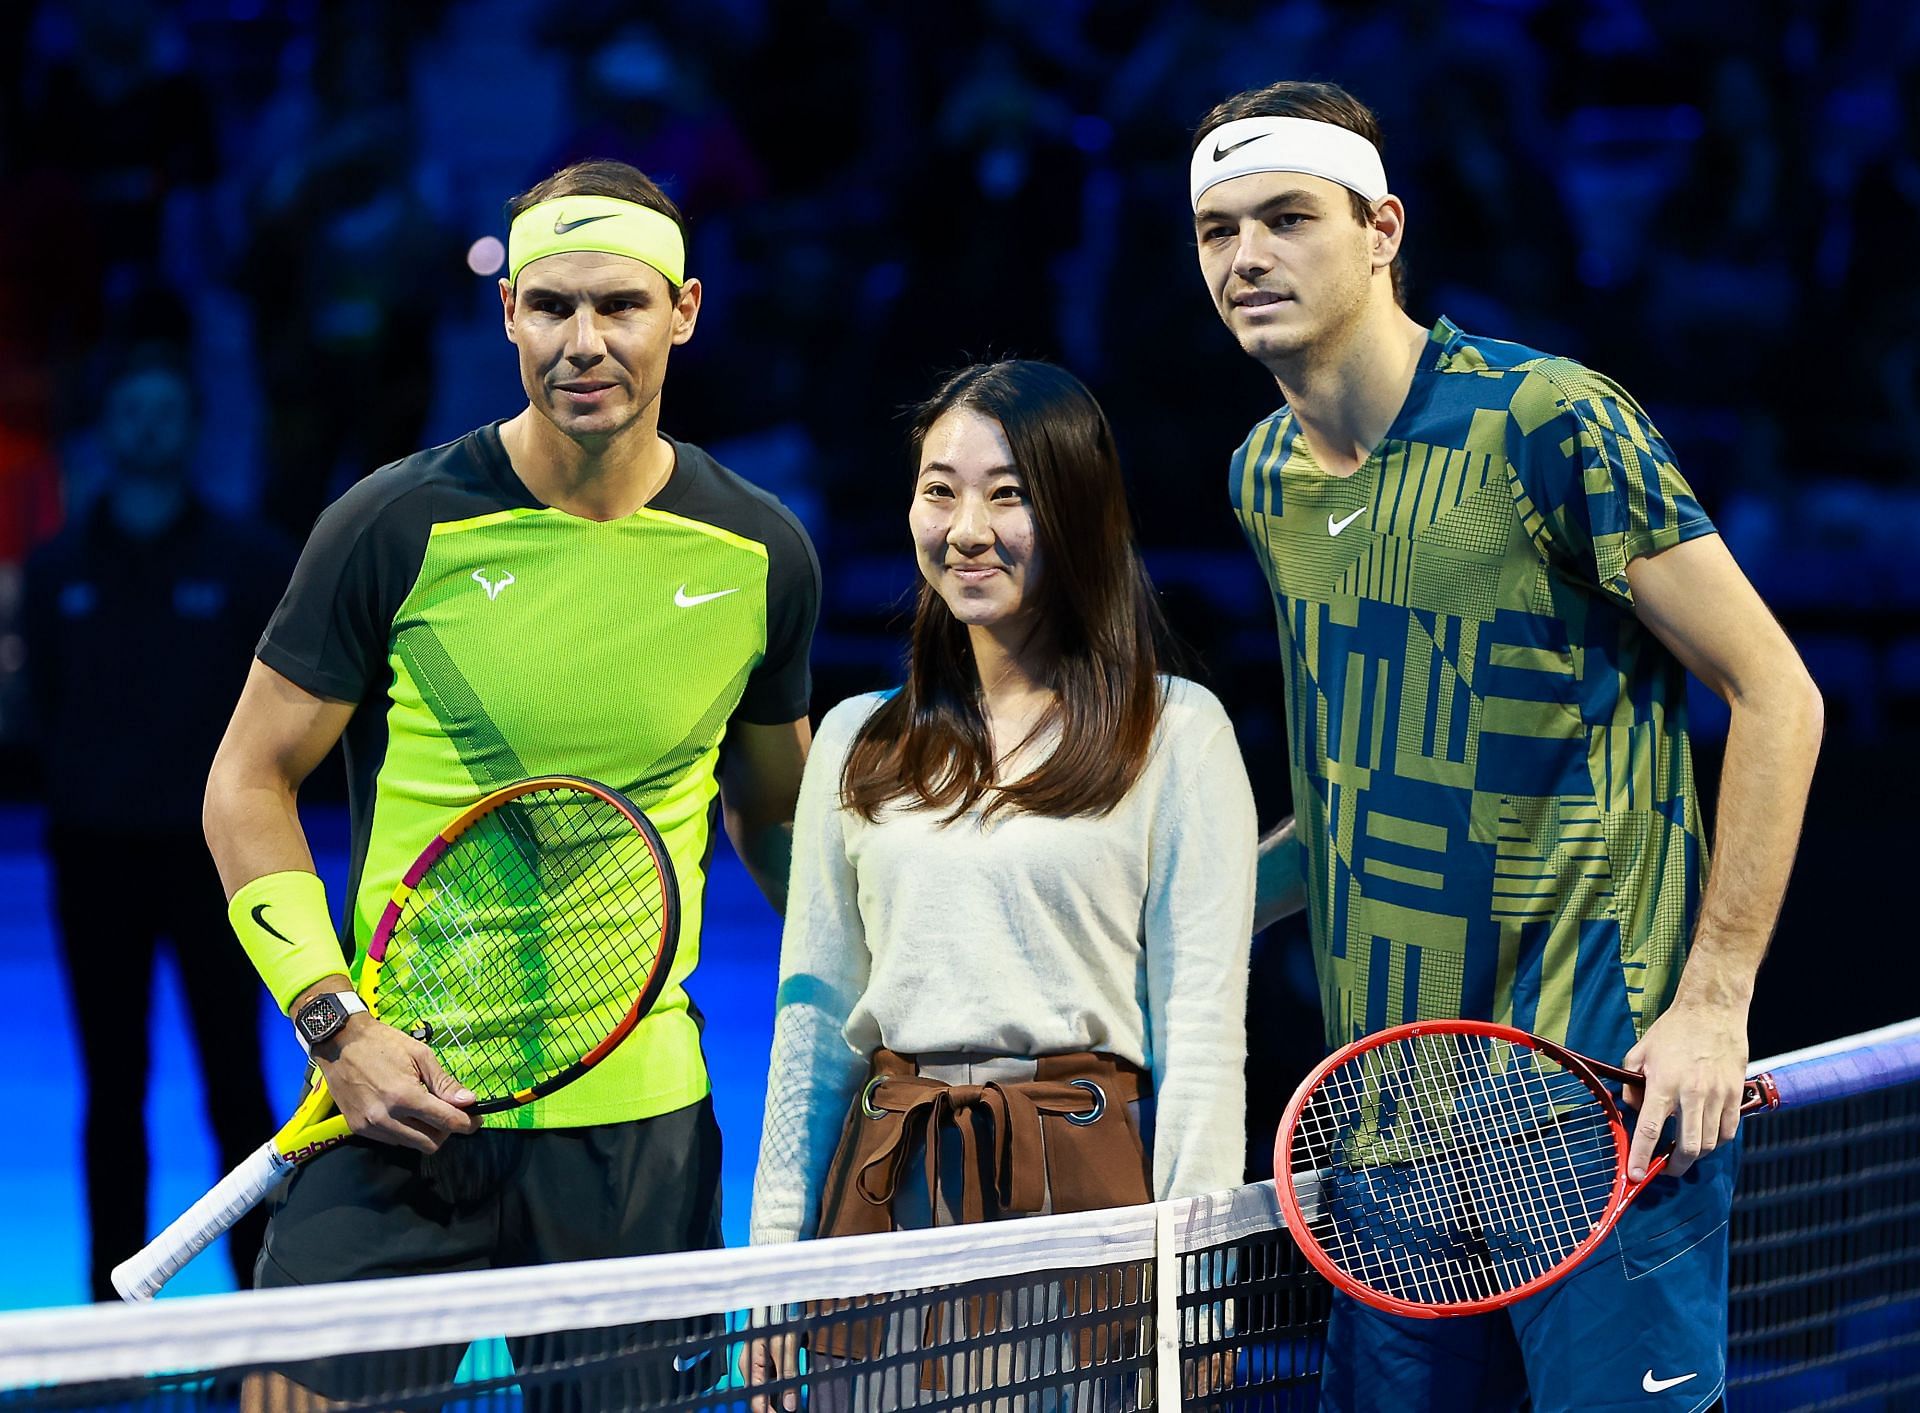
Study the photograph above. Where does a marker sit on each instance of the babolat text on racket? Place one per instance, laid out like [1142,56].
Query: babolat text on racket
[1453,1167]
[523,945]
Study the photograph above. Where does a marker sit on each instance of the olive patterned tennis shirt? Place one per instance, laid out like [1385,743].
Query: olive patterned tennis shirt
[1490,760]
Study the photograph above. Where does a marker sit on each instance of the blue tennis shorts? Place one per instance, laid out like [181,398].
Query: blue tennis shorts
[1641,1324]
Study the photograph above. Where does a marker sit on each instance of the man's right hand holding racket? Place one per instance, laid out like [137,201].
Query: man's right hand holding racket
[388,1086]
[525,942]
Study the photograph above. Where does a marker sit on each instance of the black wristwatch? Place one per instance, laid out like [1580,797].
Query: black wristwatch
[322,1017]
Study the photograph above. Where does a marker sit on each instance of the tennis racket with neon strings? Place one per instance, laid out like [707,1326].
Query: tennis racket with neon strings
[1453,1167]
[527,941]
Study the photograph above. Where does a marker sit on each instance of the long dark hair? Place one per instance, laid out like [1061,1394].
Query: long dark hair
[929,744]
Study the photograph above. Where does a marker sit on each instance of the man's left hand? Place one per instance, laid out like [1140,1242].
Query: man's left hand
[1694,1059]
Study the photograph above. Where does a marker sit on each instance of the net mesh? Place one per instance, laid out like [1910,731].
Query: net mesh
[527,940]
[1202,1304]
[1826,1258]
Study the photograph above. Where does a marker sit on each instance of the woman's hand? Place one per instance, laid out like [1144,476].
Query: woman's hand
[765,1359]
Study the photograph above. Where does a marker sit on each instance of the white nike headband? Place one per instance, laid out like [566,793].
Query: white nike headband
[1248,145]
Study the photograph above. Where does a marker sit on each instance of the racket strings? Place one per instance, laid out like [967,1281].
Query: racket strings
[1511,1201]
[545,1011]
[526,942]
[1507,1193]
[577,960]
[1448,1168]
[1531,1152]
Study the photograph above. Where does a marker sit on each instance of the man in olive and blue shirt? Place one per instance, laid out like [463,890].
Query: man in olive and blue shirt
[1491,581]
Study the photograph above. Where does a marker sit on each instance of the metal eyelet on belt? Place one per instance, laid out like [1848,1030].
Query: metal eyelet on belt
[866,1098]
[1099,1103]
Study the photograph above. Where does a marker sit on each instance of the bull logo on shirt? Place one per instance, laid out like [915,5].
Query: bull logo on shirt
[492,586]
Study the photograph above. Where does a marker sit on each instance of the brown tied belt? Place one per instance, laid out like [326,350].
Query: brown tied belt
[1019,1151]
[1084,1093]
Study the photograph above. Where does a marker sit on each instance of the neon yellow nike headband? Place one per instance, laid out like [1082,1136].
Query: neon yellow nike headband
[603,224]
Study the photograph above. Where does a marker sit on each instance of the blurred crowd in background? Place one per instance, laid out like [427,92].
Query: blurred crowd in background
[1713,203]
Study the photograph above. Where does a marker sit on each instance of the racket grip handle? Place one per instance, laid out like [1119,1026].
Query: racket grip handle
[141,1275]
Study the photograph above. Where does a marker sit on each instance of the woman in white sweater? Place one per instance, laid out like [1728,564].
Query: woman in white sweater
[1013,976]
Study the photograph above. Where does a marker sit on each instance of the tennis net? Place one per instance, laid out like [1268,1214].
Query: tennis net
[1202,1304]
[1825,1299]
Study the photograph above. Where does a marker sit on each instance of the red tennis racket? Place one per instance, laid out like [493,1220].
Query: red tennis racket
[1453,1167]
[527,941]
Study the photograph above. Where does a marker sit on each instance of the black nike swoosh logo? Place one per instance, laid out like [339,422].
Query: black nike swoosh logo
[561,227]
[258,909]
[1220,152]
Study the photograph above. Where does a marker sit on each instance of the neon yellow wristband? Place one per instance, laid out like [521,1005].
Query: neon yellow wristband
[282,921]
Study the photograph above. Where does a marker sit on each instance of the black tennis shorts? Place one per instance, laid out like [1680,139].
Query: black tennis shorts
[507,1197]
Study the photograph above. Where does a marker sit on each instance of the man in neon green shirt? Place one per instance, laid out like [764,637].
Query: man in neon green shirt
[567,591]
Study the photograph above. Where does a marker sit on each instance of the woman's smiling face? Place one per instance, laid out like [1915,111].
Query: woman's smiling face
[973,527]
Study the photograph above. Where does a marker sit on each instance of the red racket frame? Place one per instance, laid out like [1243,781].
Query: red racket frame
[1585,1068]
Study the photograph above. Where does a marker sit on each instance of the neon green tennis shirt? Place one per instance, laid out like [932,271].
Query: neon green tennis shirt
[485,637]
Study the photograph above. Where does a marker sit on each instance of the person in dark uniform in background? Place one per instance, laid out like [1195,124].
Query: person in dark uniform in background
[138,621]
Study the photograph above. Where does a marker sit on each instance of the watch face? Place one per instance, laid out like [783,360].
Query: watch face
[320,1018]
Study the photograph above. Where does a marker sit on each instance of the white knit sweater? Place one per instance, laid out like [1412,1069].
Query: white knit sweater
[1022,935]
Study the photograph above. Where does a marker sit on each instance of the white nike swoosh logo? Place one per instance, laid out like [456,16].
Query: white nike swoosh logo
[1653,1385]
[1334,527]
[687,600]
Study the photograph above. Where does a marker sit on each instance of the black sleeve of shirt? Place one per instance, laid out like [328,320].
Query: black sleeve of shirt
[780,688]
[329,635]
